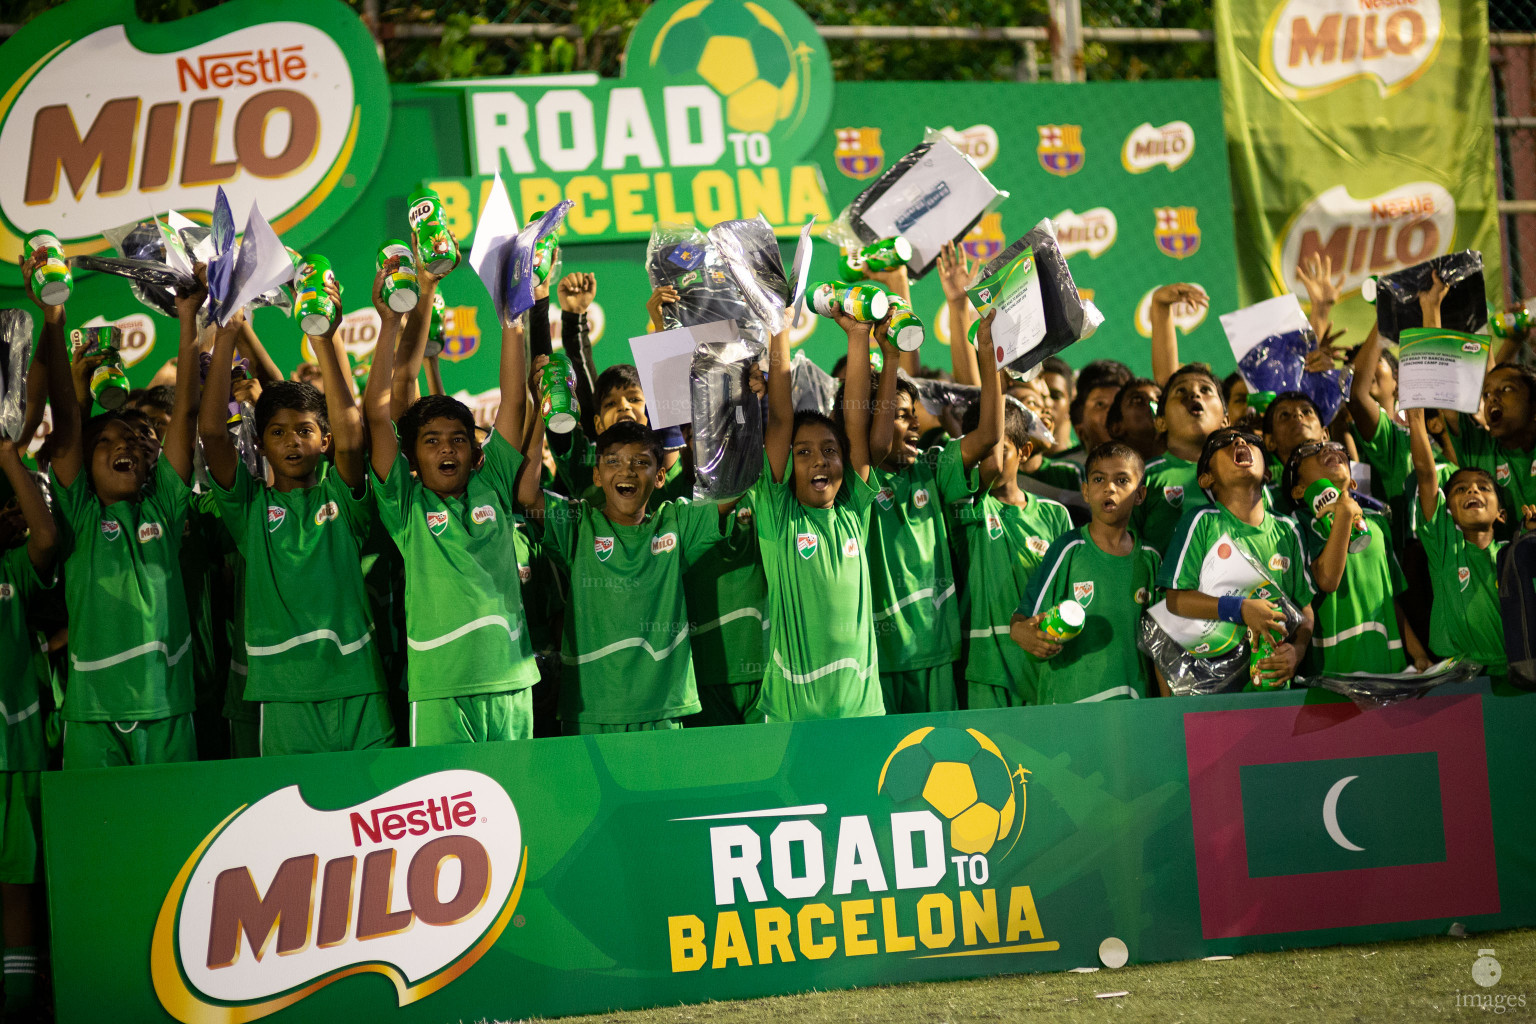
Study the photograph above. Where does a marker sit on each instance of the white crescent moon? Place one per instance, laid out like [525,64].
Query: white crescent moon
[1331,814]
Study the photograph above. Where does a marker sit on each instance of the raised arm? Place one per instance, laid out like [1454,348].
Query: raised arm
[181,434]
[1423,463]
[577,291]
[383,446]
[954,274]
[514,390]
[1429,301]
[42,532]
[348,438]
[213,411]
[530,478]
[780,430]
[856,394]
[1165,338]
[1316,276]
[263,368]
[413,347]
[1365,409]
[65,440]
[1328,566]
[882,429]
[989,428]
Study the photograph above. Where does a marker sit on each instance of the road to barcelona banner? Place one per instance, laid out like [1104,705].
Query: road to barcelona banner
[570,875]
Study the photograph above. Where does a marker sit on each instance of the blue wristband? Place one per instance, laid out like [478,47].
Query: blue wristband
[1230,609]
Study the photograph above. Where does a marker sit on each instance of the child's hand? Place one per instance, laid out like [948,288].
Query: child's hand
[1264,617]
[757,383]
[1191,295]
[954,271]
[29,265]
[1528,517]
[850,326]
[1316,275]
[665,295]
[380,306]
[246,390]
[1345,510]
[190,300]
[1028,635]
[984,331]
[1429,301]
[1280,666]
[882,336]
[891,280]
[577,292]
[536,376]
[1421,662]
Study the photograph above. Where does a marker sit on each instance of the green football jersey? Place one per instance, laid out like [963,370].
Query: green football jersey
[464,624]
[1513,470]
[1465,621]
[1393,481]
[917,619]
[822,661]
[625,649]
[574,476]
[727,597]
[122,575]
[1172,490]
[23,667]
[543,589]
[1356,628]
[1275,544]
[1101,662]
[1059,480]
[307,632]
[1004,546]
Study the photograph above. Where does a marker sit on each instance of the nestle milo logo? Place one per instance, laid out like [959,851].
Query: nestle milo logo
[107,118]
[1311,47]
[282,899]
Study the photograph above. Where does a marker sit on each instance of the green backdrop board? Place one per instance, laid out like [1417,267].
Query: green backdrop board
[582,874]
[1135,174]
[1359,132]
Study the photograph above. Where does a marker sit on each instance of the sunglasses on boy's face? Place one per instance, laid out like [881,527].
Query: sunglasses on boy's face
[1231,437]
[1311,448]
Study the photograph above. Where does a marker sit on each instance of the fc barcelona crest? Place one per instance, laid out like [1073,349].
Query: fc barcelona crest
[985,240]
[461,335]
[1061,148]
[1176,233]
[858,152]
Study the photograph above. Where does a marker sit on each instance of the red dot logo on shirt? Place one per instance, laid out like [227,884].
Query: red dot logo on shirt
[1224,550]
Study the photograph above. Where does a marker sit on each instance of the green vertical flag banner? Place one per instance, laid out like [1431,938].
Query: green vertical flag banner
[1360,132]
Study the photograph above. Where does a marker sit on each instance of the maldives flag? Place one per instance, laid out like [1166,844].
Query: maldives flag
[1326,816]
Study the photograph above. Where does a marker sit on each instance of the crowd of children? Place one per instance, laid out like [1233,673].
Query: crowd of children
[382,570]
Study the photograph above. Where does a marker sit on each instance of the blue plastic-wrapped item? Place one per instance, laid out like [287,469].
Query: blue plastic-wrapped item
[1278,364]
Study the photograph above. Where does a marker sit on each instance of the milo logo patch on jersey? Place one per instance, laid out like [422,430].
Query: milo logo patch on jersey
[744,515]
[851,547]
[1463,576]
[1174,495]
[920,498]
[1143,595]
[1082,593]
[1501,473]
[325,513]
[7,591]
[437,522]
[111,529]
[525,573]
[482,514]
[666,542]
[805,543]
[1038,545]
[275,516]
[150,531]
[1278,562]
[885,496]
[994,525]
[602,547]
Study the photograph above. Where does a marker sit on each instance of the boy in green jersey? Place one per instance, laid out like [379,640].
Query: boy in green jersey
[624,672]
[1105,569]
[811,511]
[1360,626]
[1191,409]
[25,572]
[618,398]
[1289,421]
[309,656]
[1006,533]
[122,512]
[470,661]
[1458,531]
[917,618]
[1232,468]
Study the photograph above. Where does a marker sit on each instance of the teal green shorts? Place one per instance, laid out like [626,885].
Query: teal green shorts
[981,696]
[117,744]
[919,690]
[480,718]
[597,728]
[21,826]
[361,722]
[725,704]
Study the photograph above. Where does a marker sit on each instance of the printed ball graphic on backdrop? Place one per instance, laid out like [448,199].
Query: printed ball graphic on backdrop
[742,52]
[962,776]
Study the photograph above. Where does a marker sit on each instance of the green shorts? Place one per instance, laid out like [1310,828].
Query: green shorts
[982,696]
[21,826]
[725,704]
[245,737]
[326,726]
[919,690]
[480,718]
[597,728]
[116,744]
